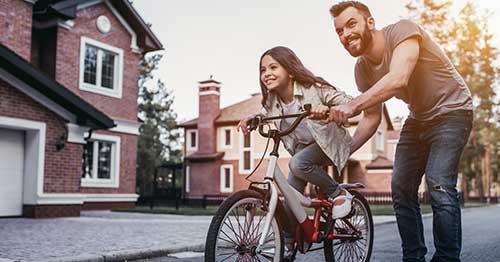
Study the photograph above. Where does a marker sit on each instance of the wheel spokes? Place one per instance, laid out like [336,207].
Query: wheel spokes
[240,232]
[357,223]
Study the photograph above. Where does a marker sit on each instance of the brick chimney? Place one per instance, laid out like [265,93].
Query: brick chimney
[209,109]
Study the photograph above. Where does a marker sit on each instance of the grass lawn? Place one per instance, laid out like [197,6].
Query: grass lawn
[377,210]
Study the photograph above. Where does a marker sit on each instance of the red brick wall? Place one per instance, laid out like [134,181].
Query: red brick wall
[378,182]
[128,155]
[106,205]
[62,168]
[15,26]
[374,182]
[49,211]
[68,61]
[357,173]
[204,178]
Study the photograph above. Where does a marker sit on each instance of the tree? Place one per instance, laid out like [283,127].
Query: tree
[158,138]
[467,42]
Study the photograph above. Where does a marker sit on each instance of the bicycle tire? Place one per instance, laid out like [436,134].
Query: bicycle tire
[359,204]
[227,211]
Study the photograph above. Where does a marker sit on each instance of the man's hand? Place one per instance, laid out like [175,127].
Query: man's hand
[340,114]
[319,112]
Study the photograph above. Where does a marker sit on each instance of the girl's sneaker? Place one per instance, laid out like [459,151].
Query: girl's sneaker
[341,204]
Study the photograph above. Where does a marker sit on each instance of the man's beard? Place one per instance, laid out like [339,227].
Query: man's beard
[364,41]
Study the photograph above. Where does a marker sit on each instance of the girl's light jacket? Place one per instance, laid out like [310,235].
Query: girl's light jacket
[335,141]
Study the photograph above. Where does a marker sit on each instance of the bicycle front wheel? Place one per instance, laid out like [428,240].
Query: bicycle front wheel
[359,222]
[236,228]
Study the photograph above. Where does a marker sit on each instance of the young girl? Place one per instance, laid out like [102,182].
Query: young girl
[286,85]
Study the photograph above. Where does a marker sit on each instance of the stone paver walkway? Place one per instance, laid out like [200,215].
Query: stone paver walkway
[104,236]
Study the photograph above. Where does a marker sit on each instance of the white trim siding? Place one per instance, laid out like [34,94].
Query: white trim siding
[379,171]
[126,127]
[78,199]
[76,133]
[188,177]
[379,140]
[211,84]
[212,92]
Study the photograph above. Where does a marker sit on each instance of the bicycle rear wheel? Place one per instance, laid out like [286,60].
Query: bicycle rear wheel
[236,228]
[360,220]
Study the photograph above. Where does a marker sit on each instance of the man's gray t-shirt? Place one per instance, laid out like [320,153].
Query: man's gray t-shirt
[434,88]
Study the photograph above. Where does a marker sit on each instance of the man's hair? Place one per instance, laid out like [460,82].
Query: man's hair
[338,8]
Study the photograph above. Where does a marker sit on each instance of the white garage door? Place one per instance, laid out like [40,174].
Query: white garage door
[11,172]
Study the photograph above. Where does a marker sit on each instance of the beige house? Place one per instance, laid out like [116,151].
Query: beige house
[218,158]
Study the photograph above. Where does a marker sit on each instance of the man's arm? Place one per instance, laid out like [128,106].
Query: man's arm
[366,126]
[403,62]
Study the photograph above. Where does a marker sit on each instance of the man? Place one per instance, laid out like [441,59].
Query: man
[401,60]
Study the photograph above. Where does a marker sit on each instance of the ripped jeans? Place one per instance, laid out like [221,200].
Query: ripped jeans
[432,147]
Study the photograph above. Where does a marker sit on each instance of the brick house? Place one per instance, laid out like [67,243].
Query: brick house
[68,105]
[218,158]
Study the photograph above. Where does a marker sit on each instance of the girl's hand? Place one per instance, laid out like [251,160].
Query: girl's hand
[319,112]
[242,125]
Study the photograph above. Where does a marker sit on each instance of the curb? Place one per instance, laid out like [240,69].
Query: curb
[120,256]
[393,220]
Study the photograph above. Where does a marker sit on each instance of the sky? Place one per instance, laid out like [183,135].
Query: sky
[225,38]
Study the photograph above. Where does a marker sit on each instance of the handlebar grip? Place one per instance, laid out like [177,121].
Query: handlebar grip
[253,123]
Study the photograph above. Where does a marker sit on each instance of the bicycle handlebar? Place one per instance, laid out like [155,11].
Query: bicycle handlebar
[257,122]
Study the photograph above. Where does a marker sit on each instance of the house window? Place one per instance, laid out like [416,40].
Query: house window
[380,140]
[226,178]
[226,138]
[101,67]
[101,161]
[227,134]
[246,161]
[192,139]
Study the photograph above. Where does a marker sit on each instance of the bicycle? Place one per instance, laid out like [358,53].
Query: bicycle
[248,224]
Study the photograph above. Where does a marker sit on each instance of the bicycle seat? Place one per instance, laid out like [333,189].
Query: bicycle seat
[350,186]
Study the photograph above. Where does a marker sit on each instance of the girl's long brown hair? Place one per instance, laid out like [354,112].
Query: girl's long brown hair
[292,64]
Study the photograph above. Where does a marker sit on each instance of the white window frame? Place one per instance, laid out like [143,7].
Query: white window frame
[223,188]
[118,69]
[223,138]
[241,163]
[114,180]
[188,174]
[379,140]
[188,139]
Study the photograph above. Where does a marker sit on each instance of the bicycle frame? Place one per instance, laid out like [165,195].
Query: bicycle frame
[296,202]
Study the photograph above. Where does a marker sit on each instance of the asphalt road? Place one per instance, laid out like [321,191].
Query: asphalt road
[481,239]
